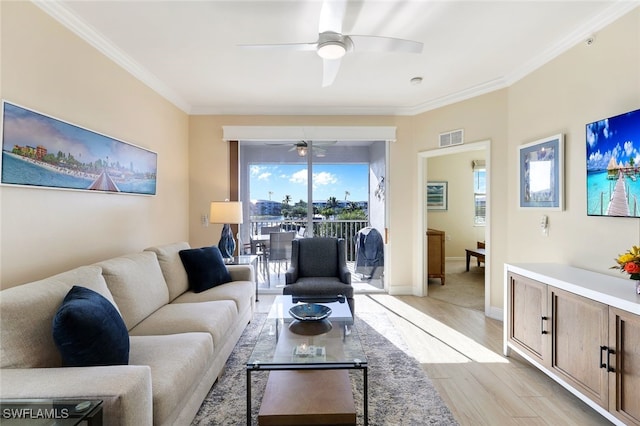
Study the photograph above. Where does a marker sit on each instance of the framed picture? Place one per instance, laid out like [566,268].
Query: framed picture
[437,195]
[541,172]
[42,151]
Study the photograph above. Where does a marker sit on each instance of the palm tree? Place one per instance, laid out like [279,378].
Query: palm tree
[346,194]
[286,200]
[270,194]
[332,202]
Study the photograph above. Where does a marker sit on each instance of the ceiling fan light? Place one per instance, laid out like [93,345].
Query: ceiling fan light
[331,50]
[302,151]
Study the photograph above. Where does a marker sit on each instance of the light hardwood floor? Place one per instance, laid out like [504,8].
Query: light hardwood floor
[461,351]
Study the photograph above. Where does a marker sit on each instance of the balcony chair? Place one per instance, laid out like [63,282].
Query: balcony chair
[319,269]
[260,247]
[280,248]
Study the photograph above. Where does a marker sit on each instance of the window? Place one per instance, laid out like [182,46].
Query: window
[479,192]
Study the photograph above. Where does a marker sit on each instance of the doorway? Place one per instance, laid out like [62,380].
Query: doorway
[465,231]
[328,188]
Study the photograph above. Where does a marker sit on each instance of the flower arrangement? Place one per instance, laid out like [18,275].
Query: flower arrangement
[629,262]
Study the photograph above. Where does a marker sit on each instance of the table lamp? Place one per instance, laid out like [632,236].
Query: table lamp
[226,212]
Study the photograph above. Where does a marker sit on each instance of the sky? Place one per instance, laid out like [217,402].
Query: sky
[24,127]
[329,180]
[617,137]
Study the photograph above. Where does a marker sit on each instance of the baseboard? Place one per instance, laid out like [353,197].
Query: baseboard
[406,290]
[495,313]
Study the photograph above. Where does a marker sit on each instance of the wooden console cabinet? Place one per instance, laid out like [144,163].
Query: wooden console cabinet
[582,329]
[435,254]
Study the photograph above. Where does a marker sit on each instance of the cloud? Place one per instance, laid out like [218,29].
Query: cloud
[259,173]
[628,148]
[597,130]
[299,177]
[324,178]
[319,179]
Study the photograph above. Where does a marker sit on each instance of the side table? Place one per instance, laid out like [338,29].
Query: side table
[247,259]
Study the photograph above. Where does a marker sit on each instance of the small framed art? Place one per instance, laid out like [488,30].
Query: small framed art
[541,173]
[437,195]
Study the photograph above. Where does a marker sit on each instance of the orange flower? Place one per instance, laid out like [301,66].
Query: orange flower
[629,262]
[632,268]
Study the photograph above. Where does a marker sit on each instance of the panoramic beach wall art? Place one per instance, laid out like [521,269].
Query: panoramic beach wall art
[613,166]
[45,152]
[541,173]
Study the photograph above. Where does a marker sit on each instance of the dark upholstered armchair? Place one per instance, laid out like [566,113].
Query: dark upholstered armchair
[319,269]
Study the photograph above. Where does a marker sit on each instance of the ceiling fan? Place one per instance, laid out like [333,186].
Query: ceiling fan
[332,45]
[303,148]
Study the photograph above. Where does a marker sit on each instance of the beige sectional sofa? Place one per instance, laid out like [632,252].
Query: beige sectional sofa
[179,340]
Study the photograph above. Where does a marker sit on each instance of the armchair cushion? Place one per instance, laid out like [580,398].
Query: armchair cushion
[318,257]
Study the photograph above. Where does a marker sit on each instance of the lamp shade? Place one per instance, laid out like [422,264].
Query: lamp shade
[225,212]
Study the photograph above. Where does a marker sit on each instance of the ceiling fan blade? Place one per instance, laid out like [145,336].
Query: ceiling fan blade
[331,15]
[384,44]
[324,143]
[330,69]
[284,46]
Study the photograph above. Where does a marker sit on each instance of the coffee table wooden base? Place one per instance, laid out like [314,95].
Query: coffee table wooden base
[308,397]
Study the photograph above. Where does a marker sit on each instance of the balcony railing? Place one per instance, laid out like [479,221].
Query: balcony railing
[346,229]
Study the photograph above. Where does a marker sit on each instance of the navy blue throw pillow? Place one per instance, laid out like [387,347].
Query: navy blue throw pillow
[88,330]
[205,268]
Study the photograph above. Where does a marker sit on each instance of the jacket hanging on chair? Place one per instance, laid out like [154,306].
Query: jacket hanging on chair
[369,252]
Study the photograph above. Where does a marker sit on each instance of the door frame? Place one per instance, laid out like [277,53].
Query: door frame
[387,134]
[421,270]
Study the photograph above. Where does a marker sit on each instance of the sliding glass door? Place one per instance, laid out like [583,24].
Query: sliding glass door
[314,188]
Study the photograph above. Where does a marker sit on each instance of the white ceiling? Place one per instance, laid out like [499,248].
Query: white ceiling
[188,50]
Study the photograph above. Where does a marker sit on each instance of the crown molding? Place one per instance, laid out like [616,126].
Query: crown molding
[63,15]
[318,133]
[462,95]
[579,35]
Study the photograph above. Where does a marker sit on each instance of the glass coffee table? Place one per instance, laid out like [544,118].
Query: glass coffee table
[286,343]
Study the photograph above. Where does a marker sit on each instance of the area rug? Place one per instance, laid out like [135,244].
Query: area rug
[400,393]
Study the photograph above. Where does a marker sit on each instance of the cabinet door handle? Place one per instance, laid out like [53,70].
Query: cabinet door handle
[609,367]
[542,320]
[602,363]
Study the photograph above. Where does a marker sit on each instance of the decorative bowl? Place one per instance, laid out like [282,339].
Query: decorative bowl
[310,328]
[310,312]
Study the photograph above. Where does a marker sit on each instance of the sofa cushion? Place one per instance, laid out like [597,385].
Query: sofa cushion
[89,331]
[137,285]
[178,362]
[216,318]
[205,268]
[241,292]
[27,311]
[172,268]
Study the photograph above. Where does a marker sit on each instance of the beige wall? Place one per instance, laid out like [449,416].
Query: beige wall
[457,220]
[483,118]
[47,68]
[582,85]
[46,231]
[209,172]
[585,84]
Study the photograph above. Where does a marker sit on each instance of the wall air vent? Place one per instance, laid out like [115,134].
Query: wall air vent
[455,137]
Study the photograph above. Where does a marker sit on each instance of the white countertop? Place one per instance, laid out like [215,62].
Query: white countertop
[613,291]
